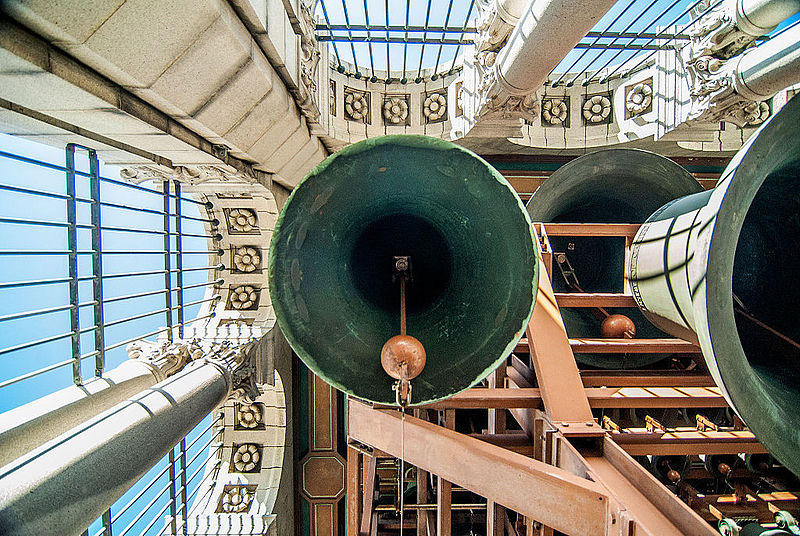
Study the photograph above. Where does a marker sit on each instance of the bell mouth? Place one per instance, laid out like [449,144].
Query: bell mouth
[766,292]
[474,268]
[752,216]
[370,265]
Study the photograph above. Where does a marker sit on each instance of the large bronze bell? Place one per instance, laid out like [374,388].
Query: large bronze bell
[722,268]
[473,265]
[607,186]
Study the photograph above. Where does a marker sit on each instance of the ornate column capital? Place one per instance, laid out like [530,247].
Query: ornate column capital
[165,358]
[715,97]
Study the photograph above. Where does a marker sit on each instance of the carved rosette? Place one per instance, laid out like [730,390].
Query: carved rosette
[244,298]
[241,220]
[639,99]
[597,109]
[555,112]
[246,458]
[356,105]
[236,498]
[434,107]
[249,416]
[395,110]
[246,259]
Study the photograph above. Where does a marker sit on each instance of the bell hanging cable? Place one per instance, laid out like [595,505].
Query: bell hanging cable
[403,356]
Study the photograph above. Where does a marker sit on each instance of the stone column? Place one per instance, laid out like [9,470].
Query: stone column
[31,425]
[70,481]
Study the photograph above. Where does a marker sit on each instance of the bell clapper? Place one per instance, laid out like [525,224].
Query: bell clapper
[403,356]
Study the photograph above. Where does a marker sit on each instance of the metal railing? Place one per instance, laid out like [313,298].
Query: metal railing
[89,264]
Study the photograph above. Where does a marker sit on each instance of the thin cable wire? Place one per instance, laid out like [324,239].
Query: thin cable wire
[350,35]
[463,33]
[596,39]
[328,22]
[402,467]
[665,29]
[446,22]
[627,27]
[422,49]
[369,43]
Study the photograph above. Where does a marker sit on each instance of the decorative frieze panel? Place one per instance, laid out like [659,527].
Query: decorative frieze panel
[639,98]
[555,112]
[434,107]
[356,105]
[597,109]
[396,110]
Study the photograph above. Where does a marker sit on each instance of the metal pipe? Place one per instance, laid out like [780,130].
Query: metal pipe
[770,67]
[107,454]
[759,17]
[531,53]
[41,420]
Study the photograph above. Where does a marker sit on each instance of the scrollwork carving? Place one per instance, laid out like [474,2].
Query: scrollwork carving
[164,357]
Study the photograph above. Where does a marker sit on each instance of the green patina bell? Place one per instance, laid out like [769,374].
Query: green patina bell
[473,265]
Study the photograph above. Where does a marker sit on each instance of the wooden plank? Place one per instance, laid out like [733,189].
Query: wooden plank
[597,299]
[515,442]
[684,443]
[623,346]
[530,487]
[592,229]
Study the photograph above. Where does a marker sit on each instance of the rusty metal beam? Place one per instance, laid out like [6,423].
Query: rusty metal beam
[353,490]
[553,361]
[592,229]
[684,443]
[644,378]
[597,299]
[598,397]
[619,346]
[524,485]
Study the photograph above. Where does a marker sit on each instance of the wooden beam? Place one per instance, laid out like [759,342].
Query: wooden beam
[561,500]
[444,495]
